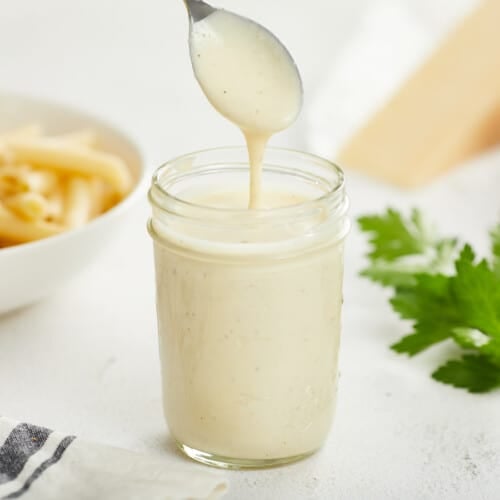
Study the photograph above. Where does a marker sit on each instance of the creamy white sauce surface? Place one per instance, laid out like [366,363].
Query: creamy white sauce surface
[249,347]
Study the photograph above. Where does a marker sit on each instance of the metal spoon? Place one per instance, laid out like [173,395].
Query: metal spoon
[198,10]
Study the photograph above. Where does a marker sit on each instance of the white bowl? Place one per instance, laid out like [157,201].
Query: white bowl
[31,271]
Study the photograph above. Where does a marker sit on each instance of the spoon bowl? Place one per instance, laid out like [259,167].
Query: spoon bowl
[257,84]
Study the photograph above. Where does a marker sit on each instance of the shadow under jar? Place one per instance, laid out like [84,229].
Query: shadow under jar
[248,304]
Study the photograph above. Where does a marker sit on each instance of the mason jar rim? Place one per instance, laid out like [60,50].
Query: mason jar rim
[180,203]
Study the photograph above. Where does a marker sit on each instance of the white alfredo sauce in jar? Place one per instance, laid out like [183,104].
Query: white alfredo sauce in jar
[249,303]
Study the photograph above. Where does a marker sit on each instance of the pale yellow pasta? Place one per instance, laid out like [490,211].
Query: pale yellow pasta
[18,178]
[41,181]
[53,184]
[14,230]
[26,132]
[11,181]
[56,206]
[78,202]
[66,158]
[105,197]
[30,206]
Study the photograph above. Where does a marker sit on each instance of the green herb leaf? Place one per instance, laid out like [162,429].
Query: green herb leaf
[403,247]
[460,302]
[476,292]
[391,274]
[393,236]
[473,372]
[428,303]
[420,340]
[472,339]
[428,298]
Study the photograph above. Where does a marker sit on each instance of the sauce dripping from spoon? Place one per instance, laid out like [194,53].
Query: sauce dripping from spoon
[248,76]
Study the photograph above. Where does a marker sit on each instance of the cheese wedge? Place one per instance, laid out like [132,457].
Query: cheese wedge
[446,112]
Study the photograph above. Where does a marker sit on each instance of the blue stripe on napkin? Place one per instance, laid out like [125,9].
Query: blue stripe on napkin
[23,442]
[63,445]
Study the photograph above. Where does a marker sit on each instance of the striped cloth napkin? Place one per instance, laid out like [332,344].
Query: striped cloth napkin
[39,464]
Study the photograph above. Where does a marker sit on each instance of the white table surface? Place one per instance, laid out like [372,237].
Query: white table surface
[85,360]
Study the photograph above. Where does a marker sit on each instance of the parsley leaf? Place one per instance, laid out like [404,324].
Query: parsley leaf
[445,307]
[495,249]
[430,305]
[403,247]
[443,302]
[476,292]
[392,236]
[473,372]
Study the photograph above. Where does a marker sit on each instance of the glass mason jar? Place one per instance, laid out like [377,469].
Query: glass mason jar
[248,304]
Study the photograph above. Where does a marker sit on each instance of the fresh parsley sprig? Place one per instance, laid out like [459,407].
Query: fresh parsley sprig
[495,249]
[447,294]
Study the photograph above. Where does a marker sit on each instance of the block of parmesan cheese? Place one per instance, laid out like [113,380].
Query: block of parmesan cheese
[446,112]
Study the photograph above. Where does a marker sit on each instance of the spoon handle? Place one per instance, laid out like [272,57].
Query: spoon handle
[198,9]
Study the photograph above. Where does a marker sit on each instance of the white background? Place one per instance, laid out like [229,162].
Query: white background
[85,360]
